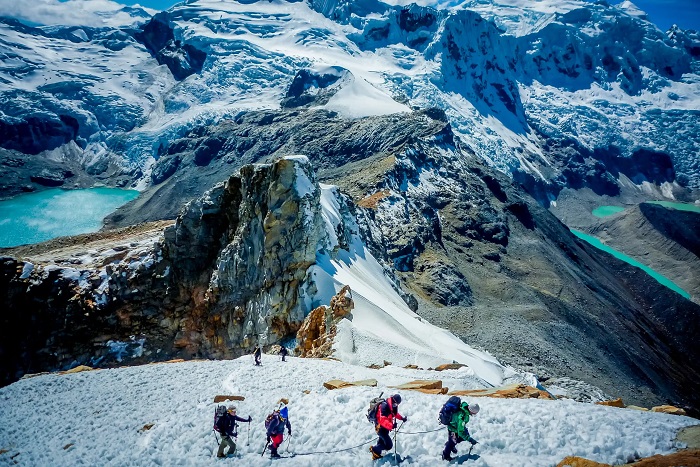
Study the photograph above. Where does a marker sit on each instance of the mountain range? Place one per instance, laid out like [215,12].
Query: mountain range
[462,139]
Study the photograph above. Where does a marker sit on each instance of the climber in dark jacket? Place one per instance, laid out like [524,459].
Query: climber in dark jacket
[283,352]
[258,355]
[457,430]
[226,425]
[278,420]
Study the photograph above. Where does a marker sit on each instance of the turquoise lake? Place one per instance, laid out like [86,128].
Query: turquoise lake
[602,246]
[605,211]
[37,217]
[679,206]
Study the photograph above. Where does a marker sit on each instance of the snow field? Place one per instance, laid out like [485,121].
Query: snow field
[99,414]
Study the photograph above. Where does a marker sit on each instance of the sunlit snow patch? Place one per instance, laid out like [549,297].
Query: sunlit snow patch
[358,98]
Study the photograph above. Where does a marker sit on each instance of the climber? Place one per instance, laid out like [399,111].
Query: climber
[227,426]
[387,413]
[283,352]
[457,430]
[258,355]
[275,423]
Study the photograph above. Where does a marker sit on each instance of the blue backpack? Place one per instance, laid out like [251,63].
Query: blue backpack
[449,409]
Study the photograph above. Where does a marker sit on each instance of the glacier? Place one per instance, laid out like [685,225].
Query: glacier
[516,79]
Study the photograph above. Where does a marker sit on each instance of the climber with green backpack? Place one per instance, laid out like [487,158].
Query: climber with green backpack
[455,414]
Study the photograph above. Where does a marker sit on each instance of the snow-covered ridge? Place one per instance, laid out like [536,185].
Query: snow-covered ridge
[598,74]
[382,325]
[88,418]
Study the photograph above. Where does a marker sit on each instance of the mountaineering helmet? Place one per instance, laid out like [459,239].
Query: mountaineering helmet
[396,398]
[231,408]
[474,409]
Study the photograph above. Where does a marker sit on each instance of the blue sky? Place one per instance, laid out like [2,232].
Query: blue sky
[664,13]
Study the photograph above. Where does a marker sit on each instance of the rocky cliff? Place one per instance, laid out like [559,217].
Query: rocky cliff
[226,276]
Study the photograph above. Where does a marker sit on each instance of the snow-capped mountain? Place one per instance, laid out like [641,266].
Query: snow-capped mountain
[429,117]
[516,79]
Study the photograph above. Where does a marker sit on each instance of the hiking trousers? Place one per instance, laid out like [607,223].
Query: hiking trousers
[384,443]
[452,441]
[226,441]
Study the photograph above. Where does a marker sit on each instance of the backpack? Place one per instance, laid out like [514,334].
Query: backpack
[373,407]
[448,410]
[218,413]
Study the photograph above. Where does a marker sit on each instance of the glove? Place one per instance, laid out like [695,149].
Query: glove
[405,418]
[268,438]
[249,419]
[290,432]
[473,441]
[394,425]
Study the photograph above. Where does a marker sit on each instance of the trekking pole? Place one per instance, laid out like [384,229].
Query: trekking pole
[248,442]
[286,449]
[265,448]
[396,431]
[216,437]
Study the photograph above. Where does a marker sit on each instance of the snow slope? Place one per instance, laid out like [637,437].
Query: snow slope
[96,418]
[382,326]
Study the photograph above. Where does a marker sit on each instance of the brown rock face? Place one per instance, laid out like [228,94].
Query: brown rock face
[613,403]
[222,398]
[573,461]
[311,331]
[342,303]
[316,334]
[449,366]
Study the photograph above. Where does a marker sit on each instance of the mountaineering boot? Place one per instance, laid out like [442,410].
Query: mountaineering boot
[446,455]
[274,454]
[375,456]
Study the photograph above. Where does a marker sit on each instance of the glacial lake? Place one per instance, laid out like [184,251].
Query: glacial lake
[605,211]
[41,216]
[679,206]
[602,246]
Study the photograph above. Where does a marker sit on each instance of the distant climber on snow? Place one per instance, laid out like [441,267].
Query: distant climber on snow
[455,414]
[283,352]
[257,353]
[386,414]
[275,424]
[225,423]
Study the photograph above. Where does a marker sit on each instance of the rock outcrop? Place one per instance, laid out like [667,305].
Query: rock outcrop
[339,384]
[226,276]
[317,332]
[513,391]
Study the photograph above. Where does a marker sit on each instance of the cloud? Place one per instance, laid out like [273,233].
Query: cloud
[96,13]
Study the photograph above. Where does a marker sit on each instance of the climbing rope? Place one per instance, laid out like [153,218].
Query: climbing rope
[366,442]
[337,450]
[421,432]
